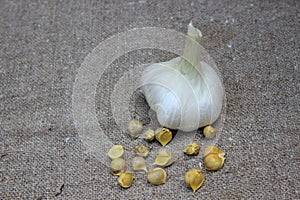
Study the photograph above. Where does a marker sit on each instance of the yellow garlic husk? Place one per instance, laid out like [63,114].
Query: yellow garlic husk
[163,136]
[135,128]
[157,176]
[141,150]
[213,158]
[117,166]
[139,164]
[149,135]
[115,152]
[125,179]
[209,132]
[192,149]
[194,179]
[164,158]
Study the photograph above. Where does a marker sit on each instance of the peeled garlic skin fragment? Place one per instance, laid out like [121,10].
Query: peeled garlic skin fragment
[183,100]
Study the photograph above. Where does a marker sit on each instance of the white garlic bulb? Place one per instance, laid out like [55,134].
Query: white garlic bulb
[185,92]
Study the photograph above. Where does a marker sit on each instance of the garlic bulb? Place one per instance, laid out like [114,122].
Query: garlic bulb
[185,93]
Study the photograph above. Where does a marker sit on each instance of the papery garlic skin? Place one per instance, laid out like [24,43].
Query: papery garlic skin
[185,95]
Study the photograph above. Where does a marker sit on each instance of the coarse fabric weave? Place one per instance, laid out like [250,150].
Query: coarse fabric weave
[255,45]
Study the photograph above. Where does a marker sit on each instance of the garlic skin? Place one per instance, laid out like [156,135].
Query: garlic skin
[185,93]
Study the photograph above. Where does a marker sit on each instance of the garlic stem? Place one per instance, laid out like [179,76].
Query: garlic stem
[191,54]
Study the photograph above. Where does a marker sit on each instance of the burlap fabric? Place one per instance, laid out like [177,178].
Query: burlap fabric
[43,43]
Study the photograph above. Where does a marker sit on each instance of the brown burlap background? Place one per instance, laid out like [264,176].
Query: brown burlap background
[255,45]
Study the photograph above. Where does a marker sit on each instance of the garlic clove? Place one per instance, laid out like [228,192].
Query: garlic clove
[163,136]
[135,128]
[213,158]
[141,150]
[213,162]
[125,179]
[139,164]
[192,149]
[157,176]
[164,158]
[117,166]
[194,179]
[209,132]
[115,152]
[161,161]
[212,149]
[149,135]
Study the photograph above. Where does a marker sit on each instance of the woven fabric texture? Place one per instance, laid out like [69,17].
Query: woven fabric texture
[255,44]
